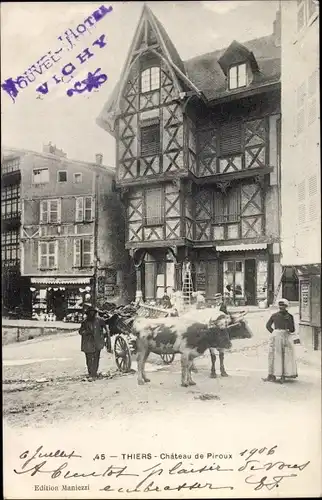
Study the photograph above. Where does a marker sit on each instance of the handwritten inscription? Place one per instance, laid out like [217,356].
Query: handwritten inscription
[260,469]
[256,460]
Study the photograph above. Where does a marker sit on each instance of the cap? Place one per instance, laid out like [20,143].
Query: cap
[284,302]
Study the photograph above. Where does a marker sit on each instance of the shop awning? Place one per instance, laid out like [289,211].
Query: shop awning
[60,281]
[243,247]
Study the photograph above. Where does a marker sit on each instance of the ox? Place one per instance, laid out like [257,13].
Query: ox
[186,336]
[237,329]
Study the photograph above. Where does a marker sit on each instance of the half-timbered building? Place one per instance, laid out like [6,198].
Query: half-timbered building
[198,163]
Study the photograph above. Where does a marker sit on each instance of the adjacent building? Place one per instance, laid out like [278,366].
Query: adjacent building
[72,236]
[198,164]
[301,180]
[16,296]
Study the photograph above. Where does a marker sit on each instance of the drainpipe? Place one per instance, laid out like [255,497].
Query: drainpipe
[96,260]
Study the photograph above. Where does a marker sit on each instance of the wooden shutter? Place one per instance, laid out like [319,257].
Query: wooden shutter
[88,210]
[77,252]
[219,216]
[230,139]
[53,211]
[233,205]
[79,209]
[86,253]
[153,206]
[212,279]
[150,139]
[42,255]
[52,253]
[44,212]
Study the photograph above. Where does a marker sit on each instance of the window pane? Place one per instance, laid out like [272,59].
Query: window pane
[79,209]
[62,176]
[233,77]
[86,245]
[51,247]
[86,259]
[145,81]
[51,261]
[153,206]
[242,75]
[43,261]
[155,78]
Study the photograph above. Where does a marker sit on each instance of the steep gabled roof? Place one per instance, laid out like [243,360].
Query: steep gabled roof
[208,76]
[176,59]
[203,74]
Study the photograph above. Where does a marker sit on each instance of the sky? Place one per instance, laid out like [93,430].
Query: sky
[29,30]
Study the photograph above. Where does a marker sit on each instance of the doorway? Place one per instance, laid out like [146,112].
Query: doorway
[250,282]
[56,303]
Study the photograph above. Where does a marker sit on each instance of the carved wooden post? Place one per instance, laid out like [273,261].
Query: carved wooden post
[138,256]
[178,276]
[138,293]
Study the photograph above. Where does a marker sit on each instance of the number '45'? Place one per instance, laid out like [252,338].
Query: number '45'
[99,457]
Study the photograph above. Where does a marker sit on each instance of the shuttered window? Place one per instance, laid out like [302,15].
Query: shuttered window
[150,139]
[153,207]
[83,252]
[84,209]
[230,139]
[227,206]
[47,257]
[50,211]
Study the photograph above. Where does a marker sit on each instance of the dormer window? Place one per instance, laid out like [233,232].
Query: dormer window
[150,79]
[237,76]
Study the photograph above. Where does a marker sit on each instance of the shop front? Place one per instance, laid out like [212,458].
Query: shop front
[60,299]
[159,275]
[239,272]
[310,305]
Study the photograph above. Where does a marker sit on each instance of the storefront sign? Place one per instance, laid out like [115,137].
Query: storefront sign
[109,290]
[201,282]
[305,301]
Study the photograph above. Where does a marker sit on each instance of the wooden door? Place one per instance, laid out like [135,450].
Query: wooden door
[250,281]
[212,278]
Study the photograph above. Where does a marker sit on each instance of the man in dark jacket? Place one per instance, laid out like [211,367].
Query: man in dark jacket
[93,331]
[221,303]
[281,354]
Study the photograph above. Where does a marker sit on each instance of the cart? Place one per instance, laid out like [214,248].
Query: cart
[123,341]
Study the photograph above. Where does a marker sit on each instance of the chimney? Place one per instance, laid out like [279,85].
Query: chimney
[277,28]
[99,159]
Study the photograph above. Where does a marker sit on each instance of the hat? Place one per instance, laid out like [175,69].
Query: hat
[218,296]
[284,302]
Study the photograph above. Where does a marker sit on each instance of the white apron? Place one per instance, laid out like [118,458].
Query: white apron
[281,355]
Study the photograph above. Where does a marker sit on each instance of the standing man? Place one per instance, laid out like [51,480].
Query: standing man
[281,355]
[93,332]
[221,303]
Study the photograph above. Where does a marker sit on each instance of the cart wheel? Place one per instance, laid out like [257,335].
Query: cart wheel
[122,354]
[167,358]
